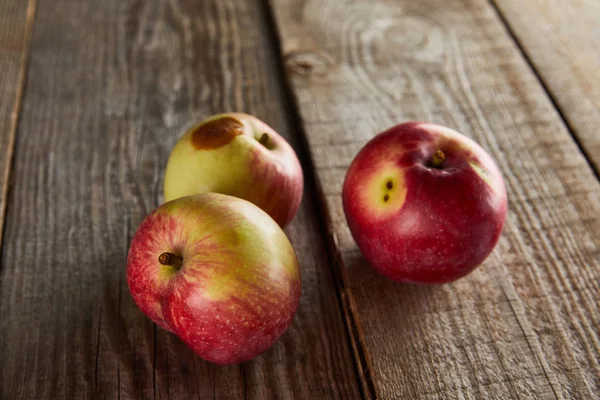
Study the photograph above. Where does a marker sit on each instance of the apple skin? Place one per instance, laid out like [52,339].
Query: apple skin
[224,154]
[416,223]
[238,286]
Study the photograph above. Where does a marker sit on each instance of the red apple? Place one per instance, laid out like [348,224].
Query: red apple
[424,203]
[218,272]
[239,155]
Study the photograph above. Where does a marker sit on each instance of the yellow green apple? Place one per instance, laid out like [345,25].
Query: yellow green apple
[239,155]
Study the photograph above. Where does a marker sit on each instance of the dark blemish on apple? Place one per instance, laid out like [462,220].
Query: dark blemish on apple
[389,185]
[386,198]
[216,133]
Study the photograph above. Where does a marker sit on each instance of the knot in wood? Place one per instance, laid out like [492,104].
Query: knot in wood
[307,63]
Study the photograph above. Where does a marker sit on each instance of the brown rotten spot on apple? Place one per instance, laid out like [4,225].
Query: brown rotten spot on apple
[216,132]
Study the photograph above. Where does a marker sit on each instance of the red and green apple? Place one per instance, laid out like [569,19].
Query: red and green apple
[424,203]
[239,155]
[218,272]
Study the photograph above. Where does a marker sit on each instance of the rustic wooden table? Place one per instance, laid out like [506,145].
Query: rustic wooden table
[94,93]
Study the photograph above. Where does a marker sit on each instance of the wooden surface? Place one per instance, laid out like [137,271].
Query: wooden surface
[525,325]
[111,85]
[562,40]
[16,22]
[108,88]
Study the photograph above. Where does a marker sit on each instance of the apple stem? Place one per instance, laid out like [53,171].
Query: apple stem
[264,139]
[438,158]
[171,260]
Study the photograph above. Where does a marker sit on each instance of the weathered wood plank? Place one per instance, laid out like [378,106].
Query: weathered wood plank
[112,84]
[562,40]
[525,324]
[16,24]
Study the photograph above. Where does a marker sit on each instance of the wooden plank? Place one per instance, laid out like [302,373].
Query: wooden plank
[562,40]
[112,84]
[16,24]
[525,324]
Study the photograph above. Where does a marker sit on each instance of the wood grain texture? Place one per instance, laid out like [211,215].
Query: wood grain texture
[562,41]
[525,324]
[16,24]
[111,87]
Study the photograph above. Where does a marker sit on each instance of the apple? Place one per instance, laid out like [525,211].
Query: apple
[239,155]
[218,272]
[424,203]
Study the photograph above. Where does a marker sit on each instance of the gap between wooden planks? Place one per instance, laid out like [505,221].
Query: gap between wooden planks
[16,30]
[521,326]
[562,41]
